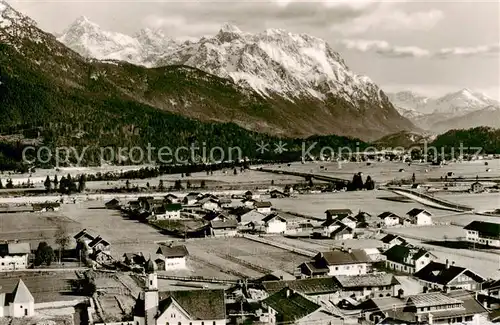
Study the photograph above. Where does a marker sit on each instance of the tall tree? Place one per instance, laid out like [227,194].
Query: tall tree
[62,240]
[62,185]
[9,183]
[81,183]
[127,184]
[48,184]
[44,254]
[160,185]
[413,178]
[56,181]
[202,184]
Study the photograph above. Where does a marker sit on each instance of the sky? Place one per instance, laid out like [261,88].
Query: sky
[430,47]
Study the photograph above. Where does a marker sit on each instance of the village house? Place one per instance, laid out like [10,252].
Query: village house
[249,203]
[172,198]
[364,220]
[251,196]
[277,275]
[209,204]
[366,286]
[406,258]
[14,256]
[491,288]
[420,217]
[274,224]
[194,307]
[134,205]
[133,259]
[290,307]
[348,221]
[84,236]
[223,228]
[113,204]
[47,206]
[152,204]
[225,202]
[191,198]
[449,277]
[425,308]
[100,250]
[390,219]
[276,194]
[171,257]
[18,303]
[476,187]
[251,216]
[143,201]
[336,213]
[217,216]
[391,240]
[167,212]
[315,289]
[263,207]
[337,262]
[342,233]
[483,233]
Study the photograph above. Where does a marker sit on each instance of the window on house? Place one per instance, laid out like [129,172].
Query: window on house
[26,312]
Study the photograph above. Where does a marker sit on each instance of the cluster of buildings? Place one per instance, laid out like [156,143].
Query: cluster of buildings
[94,247]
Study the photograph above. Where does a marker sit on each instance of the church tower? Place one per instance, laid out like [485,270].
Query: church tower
[151,293]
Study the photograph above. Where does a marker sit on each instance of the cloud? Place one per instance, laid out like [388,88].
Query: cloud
[386,49]
[388,18]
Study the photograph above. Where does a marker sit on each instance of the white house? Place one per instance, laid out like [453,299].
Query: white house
[168,211]
[191,198]
[84,236]
[19,303]
[390,219]
[420,217]
[342,233]
[392,240]
[338,262]
[408,259]
[194,307]
[263,207]
[14,256]
[210,204]
[251,216]
[171,257]
[483,233]
[172,198]
[348,221]
[274,224]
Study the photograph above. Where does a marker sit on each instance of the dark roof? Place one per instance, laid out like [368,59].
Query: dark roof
[491,284]
[215,224]
[342,229]
[170,195]
[273,216]
[112,202]
[311,286]
[292,307]
[330,222]
[173,207]
[398,253]
[489,229]
[366,280]
[414,212]
[263,204]
[341,257]
[390,237]
[14,249]
[338,212]
[211,215]
[172,251]
[98,240]
[314,269]
[83,233]
[438,273]
[45,205]
[199,304]
[387,214]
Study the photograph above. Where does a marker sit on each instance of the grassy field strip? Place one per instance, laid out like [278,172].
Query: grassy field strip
[246,264]
[280,245]
[224,267]
[302,243]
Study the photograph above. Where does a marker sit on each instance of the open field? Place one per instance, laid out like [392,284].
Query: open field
[44,286]
[481,202]
[34,227]
[429,233]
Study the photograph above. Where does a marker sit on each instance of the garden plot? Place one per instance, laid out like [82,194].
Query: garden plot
[265,256]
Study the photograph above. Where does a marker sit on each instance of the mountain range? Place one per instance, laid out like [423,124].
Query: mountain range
[458,110]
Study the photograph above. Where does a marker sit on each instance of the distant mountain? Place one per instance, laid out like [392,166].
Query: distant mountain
[454,110]
[403,139]
[307,84]
[488,139]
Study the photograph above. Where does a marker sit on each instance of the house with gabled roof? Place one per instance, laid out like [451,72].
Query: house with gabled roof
[407,259]
[274,224]
[338,262]
[172,198]
[335,213]
[491,288]
[483,233]
[390,240]
[390,219]
[324,288]
[251,216]
[276,194]
[419,217]
[367,285]
[84,236]
[113,204]
[170,211]
[290,307]
[227,228]
[447,276]
[170,257]
[209,203]
[263,207]
[191,198]
[14,256]
[195,307]
[18,303]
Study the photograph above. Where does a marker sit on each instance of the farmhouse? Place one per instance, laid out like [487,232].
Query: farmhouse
[216,216]
[171,257]
[143,201]
[274,224]
[167,211]
[341,233]
[312,288]
[209,203]
[491,288]
[84,236]
[477,187]
[348,221]
[336,213]
[485,233]
[390,219]
[113,204]
[251,216]
[191,198]
[275,194]
[133,259]
[391,240]
[408,259]
[248,202]
[223,228]
[426,308]
[195,307]
[289,306]
[337,262]
[14,256]
[263,207]
[367,286]
[19,303]
[420,217]
[172,198]
[445,276]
